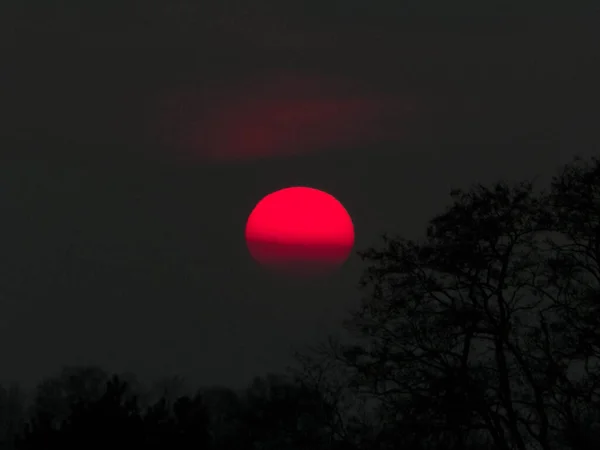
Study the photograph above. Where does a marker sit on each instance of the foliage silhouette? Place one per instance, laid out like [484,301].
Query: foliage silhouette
[116,418]
[281,414]
[12,414]
[274,412]
[55,396]
[483,334]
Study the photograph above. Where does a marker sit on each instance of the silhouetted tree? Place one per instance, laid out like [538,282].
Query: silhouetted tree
[111,419]
[484,334]
[227,426]
[282,414]
[55,396]
[342,418]
[168,388]
[12,414]
[574,271]
[90,422]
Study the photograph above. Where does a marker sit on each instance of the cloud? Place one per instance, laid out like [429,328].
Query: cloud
[276,115]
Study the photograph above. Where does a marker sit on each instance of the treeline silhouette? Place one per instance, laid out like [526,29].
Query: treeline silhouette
[481,335]
[85,407]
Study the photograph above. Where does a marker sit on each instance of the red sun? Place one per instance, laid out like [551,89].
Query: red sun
[301,229]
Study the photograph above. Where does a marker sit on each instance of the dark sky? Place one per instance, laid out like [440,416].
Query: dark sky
[135,140]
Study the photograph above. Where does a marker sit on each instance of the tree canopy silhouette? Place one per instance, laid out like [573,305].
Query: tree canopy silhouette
[484,333]
[273,412]
[115,417]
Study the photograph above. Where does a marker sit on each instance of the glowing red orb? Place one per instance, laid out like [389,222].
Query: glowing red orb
[300,228]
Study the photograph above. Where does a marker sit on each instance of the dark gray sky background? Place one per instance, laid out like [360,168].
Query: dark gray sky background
[127,171]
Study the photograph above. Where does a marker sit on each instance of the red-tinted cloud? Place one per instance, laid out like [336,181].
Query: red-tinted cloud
[276,116]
